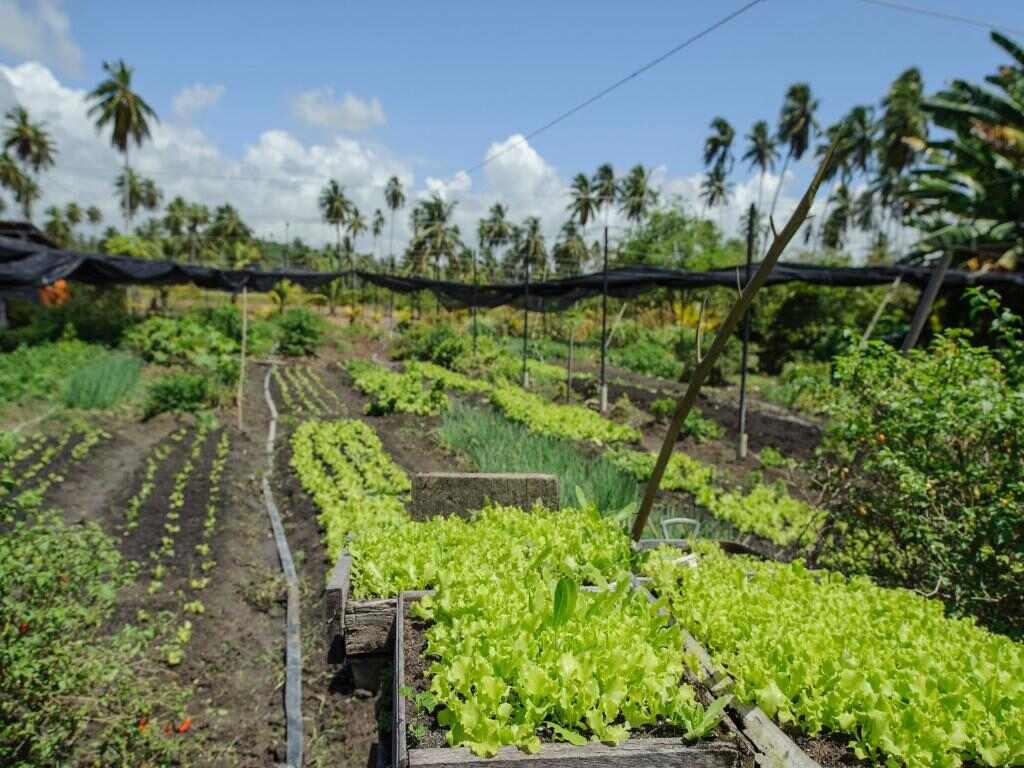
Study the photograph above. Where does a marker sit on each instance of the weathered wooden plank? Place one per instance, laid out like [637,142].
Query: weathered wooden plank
[459,493]
[637,753]
[336,598]
[399,754]
[368,626]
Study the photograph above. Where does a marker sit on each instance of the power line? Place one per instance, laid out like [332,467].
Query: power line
[617,84]
[921,10]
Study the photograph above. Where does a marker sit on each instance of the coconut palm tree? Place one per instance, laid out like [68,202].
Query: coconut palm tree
[28,141]
[570,252]
[838,222]
[762,153]
[718,146]
[73,216]
[715,189]
[499,233]
[136,193]
[583,206]
[605,189]
[11,177]
[116,105]
[534,249]
[797,127]
[635,194]
[335,207]
[394,198]
[27,194]
[94,215]
[228,227]
[56,226]
[175,216]
[377,228]
[438,237]
[356,226]
[196,215]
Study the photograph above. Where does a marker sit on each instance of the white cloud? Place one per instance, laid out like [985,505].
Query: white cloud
[39,30]
[196,98]
[321,108]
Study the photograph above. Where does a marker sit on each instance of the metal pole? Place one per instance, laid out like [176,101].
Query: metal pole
[924,306]
[686,402]
[526,323]
[474,302]
[604,325]
[741,447]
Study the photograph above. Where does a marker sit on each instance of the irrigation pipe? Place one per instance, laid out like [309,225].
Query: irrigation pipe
[293,645]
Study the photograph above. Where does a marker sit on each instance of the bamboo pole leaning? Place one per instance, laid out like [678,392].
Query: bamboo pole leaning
[686,402]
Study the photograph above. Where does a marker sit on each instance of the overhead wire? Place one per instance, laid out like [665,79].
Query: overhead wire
[945,15]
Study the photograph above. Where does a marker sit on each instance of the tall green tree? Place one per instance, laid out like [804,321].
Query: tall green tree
[335,207]
[718,146]
[394,198]
[636,196]
[136,193]
[30,143]
[56,226]
[438,236]
[967,197]
[117,107]
[94,215]
[715,189]
[583,205]
[797,127]
[356,225]
[377,228]
[197,216]
[606,190]
[762,153]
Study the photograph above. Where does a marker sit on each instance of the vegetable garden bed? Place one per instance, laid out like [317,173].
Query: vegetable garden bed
[419,741]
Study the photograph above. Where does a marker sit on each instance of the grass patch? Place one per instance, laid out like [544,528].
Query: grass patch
[102,383]
[495,444]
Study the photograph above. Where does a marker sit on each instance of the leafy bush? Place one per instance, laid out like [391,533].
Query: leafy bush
[301,332]
[179,392]
[98,315]
[71,692]
[923,460]
[102,383]
[801,386]
[39,372]
[830,655]
[187,341]
[648,357]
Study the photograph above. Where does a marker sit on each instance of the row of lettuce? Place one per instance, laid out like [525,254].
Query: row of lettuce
[766,510]
[520,651]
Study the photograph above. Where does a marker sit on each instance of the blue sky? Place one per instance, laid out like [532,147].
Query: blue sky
[451,79]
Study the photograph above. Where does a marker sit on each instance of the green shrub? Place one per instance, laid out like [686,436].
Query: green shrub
[38,372]
[179,392]
[98,315]
[648,357]
[189,342]
[662,408]
[102,383]
[300,332]
[922,459]
[802,387]
[71,692]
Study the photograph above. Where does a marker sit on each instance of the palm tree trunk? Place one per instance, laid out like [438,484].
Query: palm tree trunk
[782,179]
[760,192]
[125,204]
[824,213]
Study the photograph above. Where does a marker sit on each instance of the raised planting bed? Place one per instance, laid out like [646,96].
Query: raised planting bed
[419,741]
[362,627]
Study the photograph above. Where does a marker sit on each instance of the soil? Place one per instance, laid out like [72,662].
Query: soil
[767,424]
[829,750]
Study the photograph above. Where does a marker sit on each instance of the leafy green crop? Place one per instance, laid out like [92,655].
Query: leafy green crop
[39,372]
[522,652]
[570,421]
[392,392]
[886,667]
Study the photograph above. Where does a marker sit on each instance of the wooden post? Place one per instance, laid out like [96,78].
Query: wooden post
[604,325]
[741,446]
[568,365]
[878,312]
[526,323]
[688,399]
[924,306]
[474,303]
[241,371]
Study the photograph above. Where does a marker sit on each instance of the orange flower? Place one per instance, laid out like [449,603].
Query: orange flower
[143,724]
[185,725]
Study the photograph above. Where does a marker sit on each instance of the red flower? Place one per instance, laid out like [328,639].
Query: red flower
[143,724]
[23,628]
[185,725]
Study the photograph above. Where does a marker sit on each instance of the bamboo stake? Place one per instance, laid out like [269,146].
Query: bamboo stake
[924,305]
[686,402]
[241,372]
[879,310]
